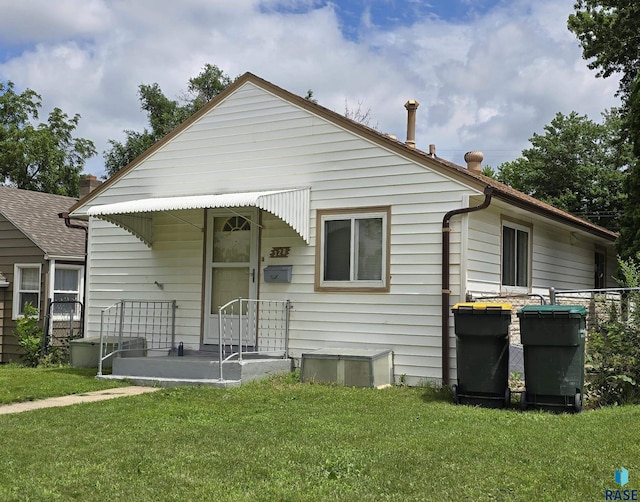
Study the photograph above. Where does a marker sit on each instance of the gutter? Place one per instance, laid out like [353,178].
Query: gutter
[446,273]
[67,221]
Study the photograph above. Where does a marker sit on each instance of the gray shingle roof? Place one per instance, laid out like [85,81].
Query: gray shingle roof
[36,215]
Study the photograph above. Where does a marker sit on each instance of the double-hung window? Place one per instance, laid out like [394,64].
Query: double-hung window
[352,250]
[516,243]
[26,287]
[67,281]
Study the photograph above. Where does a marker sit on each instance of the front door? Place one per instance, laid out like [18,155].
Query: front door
[231,273]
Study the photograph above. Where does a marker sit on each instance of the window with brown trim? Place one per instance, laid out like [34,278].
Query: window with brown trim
[515,255]
[353,249]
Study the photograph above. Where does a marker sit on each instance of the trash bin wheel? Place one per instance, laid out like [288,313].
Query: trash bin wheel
[507,397]
[577,402]
[523,401]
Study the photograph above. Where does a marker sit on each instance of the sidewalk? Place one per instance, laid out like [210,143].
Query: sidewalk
[88,397]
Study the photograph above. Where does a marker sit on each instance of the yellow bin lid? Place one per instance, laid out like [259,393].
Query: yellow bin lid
[482,306]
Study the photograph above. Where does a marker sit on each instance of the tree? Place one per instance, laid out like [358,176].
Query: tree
[577,165]
[165,115]
[609,36]
[628,243]
[44,157]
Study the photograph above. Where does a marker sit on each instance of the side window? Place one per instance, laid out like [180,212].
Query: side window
[352,250]
[516,262]
[26,287]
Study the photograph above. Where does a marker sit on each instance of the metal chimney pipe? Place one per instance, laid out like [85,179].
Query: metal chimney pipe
[474,161]
[411,106]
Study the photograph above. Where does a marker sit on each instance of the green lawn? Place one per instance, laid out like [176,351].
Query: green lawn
[283,440]
[18,383]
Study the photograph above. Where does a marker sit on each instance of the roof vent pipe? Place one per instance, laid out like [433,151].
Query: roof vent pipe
[411,106]
[432,150]
[474,161]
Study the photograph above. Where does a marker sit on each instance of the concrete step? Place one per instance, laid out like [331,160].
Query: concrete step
[196,369]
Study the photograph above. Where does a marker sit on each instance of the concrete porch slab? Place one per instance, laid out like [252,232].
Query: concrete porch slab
[167,371]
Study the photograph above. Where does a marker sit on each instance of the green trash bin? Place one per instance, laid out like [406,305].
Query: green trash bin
[482,354]
[553,338]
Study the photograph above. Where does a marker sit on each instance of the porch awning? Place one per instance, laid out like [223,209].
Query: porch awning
[291,206]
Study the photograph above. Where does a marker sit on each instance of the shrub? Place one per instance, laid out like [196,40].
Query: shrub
[29,336]
[613,347]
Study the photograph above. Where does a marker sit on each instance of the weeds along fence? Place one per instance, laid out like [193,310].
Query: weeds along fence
[137,326]
[597,302]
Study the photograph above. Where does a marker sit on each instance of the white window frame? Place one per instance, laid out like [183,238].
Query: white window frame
[17,279]
[518,227]
[353,215]
[53,290]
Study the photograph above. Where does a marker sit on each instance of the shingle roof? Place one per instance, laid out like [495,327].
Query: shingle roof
[36,215]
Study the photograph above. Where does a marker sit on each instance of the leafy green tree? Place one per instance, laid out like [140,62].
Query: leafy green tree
[165,115]
[610,39]
[576,165]
[44,157]
[608,33]
[628,243]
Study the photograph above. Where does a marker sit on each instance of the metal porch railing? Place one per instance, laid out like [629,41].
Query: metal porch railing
[248,327]
[136,325]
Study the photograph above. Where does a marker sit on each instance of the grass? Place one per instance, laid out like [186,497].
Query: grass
[282,440]
[18,383]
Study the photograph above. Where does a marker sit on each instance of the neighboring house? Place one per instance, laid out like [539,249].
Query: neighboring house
[40,258]
[357,215]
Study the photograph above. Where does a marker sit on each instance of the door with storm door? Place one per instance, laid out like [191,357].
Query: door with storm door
[232,256]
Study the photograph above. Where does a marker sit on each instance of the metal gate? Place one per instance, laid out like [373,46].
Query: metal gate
[63,322]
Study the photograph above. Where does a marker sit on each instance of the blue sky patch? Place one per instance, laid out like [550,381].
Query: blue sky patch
[358,15]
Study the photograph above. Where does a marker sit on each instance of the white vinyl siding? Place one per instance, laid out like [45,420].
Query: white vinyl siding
[123,268]
[255,141]
[560,257]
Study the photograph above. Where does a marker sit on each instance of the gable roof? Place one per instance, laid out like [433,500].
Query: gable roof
[35,214]
[431,161]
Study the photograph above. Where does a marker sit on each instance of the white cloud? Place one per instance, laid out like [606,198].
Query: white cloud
[487,84]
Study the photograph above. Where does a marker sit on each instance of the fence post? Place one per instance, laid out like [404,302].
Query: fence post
[100,350]
[286,328]
[120,326]
[220,343]
[173,324]
[552,295]
[46,332]
[240,328]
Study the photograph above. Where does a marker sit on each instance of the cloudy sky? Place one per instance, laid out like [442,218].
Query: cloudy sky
[487,73]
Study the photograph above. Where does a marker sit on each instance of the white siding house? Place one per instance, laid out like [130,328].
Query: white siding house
[303,177]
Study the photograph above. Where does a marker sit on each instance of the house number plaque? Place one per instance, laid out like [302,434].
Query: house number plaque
[279,252]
